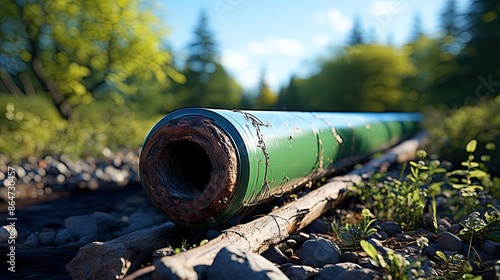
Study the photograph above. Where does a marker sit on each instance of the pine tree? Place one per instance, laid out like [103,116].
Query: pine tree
[449,19]
[266,99]
[203,52]
[356,36]
[417,30]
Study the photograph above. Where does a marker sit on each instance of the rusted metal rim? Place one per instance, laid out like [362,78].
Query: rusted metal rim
[189,168]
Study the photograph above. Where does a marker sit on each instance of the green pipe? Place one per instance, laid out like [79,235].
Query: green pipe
[201,167]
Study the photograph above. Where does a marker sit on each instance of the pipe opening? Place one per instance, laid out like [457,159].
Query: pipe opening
[185,169]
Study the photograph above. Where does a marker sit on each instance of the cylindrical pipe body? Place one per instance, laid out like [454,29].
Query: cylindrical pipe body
[201,167]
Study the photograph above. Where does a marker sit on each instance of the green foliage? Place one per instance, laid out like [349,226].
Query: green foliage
[80,50]
[403,200]
[449,133]
[31,126]
[363,78]
[395,265]
[352,234]
[266,99]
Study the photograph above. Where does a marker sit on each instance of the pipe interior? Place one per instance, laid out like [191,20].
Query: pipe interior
[185,169]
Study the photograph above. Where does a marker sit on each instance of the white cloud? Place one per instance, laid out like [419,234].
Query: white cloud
[235,60]
[335,18]
[383,8]
[248,78]
[321,40]
[338,21]
[277,45]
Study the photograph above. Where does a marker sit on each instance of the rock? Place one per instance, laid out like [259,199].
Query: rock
[491,247]
[391,228]
[348,256]
[333,272]
[317,226]
[431,250]
[63,237]
[32,240]
[300,272]
[444,223]
[6,232]
[113,259]
[455,228]
[429,269]
[138,221]
[402,237]
[349,266]
[233,264]
[211,234]
[410,250]
[90,224]
[275,255]
[46,237]
[381,235]
[319,252]
[449,241]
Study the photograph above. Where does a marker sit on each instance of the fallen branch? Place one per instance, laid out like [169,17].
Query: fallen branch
[113,259]
[260,234]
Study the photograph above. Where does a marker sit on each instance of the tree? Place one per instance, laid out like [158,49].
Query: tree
[417,28]
[479,60]
[266,99]
[80,50]
[289,98]
[365,78]
[207,82]
[449,19]
[356,35]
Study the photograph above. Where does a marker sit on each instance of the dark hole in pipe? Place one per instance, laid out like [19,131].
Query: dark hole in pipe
[184,168]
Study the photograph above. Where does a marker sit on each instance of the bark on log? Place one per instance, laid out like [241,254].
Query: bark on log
[260,234]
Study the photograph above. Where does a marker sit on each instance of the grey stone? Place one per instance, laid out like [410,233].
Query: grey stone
[233,264]
[319,252]
[90,224]
[410,250]
[445,223]
[391,228]
[32,240]
[348,256]
[349,265]
[381,235]
[212,233]
[63,237]
[336,272]
[138,221]
[402,237]
[300,272]
[275,255]
[46,237]
[491,247]
[6,232]
[449,241]
[431,250]
[317,226]
[455,228]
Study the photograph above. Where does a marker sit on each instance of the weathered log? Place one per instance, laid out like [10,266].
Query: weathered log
[201,167]
[260,234]
[113,259]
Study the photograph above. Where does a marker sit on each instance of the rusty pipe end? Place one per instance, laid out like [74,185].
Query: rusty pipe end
[188,168]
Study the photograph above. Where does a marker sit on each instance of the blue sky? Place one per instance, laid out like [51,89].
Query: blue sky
[288,37]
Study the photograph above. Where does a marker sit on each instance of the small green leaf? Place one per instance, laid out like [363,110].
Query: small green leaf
[471,146]
[490,146]
[478,173]
[369,249]
[440,255]
[459,172]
